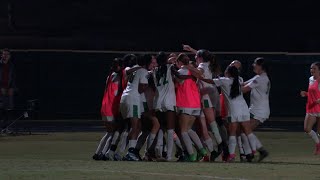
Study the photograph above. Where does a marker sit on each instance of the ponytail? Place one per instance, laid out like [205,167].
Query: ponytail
[235,87]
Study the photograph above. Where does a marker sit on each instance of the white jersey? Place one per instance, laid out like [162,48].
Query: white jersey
[259,97]
[209,92]
[147,97]
[131,94]
[165,98]
[237,107]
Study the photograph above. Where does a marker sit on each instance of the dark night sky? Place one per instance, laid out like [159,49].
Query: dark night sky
[162,25]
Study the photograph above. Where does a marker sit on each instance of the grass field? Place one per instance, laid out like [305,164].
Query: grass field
[68,156]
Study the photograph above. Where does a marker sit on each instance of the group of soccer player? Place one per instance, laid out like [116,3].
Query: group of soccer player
[166,100]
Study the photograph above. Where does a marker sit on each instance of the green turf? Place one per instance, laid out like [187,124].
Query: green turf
[68,156]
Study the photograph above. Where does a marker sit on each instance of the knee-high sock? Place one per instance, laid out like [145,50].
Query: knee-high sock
[170,143]
[252,140]
[107,145]
[195,138]
[232,144]
[102,143]
[178,142]
[215,131]
[159,146]
[314,136]
[240,145]
[258,143]
[209,144]
[142,139]
[245,144]
[150,140]
[187,141]
[123,142]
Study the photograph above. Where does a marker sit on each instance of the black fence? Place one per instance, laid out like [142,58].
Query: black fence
[70,84]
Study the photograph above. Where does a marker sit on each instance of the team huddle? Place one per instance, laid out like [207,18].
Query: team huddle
[169,102]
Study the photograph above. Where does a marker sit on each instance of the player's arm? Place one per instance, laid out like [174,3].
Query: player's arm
[210,81]
[180,76]
[196,72]
[248,85]
[189,49]
[303,93]
[132,69]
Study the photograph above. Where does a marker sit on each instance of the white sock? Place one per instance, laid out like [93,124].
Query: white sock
[115,138]
[142,139]
[132,143]
[195,138]
[123,142]
[215,131]
[178,142]
[102,143]
[232,144]
[214,141]
[209,144]
[150,140]
[107,145]
[245,144]
[170,143]
[159,146]
[258,143]
[240,145]
[314,136]
[252,141]
[187,141]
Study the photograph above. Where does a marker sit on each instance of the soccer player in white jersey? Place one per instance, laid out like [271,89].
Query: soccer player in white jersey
[238,111]
[259,108]
[130,105]
[165,99]
[150,123]
[210,100]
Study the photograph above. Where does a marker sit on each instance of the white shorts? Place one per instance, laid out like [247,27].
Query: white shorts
[313,114]
[241,118]
[109,119]
[167,107]
[189,111]
[261,119]
[207,102]
[130,110]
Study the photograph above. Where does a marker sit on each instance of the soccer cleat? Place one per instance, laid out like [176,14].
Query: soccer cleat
[96,157]
[206,158]
[109,156]
[132,155]
[242,158]
[317,151]
[181,158]
[231,158]
[249,157]
[214,155]
[202,152]
[192,157]
[117,157]
[263,155]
